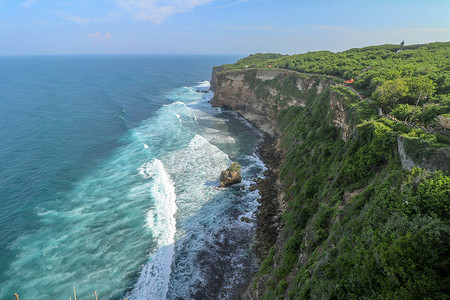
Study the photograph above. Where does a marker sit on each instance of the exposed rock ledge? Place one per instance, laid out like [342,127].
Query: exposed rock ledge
[438,160]
[257,95]
[231,175]
[261,105]
[234,92]
[237,90]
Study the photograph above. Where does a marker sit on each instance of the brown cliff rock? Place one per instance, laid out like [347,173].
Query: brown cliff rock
[231,175]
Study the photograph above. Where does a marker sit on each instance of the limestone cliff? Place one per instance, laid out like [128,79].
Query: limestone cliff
[430,159]
[340,118]
[259,95]
[342,213]
[213,82]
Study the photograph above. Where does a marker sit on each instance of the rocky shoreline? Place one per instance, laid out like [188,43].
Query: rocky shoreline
[270,209]
[269,212]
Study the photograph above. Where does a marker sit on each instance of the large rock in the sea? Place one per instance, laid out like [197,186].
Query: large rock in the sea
[231,175]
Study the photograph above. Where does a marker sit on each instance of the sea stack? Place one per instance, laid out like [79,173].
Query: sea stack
[231,175]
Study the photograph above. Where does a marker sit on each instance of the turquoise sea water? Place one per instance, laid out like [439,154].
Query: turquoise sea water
[108,180]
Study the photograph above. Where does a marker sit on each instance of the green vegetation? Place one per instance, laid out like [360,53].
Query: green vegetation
[235,167]
[383,73]
[255,60]
[357,225]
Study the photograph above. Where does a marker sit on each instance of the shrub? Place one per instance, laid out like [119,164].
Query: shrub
[235,167]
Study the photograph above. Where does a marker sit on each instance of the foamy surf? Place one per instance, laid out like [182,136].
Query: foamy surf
[203,84]
[86,218]
[153,282]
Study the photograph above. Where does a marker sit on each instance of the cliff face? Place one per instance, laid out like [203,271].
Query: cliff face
[259,95]
[213,82]
[431,160]
[340,115]
[337,211]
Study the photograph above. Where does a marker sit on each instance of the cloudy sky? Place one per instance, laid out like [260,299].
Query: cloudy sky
[215,26]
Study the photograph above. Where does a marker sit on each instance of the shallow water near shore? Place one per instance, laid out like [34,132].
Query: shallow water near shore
[109,180]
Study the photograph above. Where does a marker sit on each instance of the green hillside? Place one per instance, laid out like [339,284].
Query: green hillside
[394,78]
[358,225]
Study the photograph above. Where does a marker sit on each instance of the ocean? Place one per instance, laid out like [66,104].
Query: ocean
[109,180]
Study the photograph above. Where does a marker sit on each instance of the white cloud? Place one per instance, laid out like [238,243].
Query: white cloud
[27,4]
[157,11]
[98,36]
[111,17]
[78,20]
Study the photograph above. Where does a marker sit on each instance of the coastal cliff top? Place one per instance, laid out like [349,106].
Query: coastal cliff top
[409,83]
[413,69]
[363,208]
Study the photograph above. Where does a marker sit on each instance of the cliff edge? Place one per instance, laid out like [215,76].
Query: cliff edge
[259,95]
[341,213]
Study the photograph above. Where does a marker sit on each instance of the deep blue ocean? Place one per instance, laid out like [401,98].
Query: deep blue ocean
[109,167]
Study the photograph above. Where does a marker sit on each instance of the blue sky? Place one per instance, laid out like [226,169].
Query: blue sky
[215,26]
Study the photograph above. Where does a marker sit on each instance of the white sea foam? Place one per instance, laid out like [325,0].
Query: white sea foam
[207,218]
[174,103]
[200,160]
[189,110]
[193,169]
[202,116]
[255,162]
[120,219]
[153,282]
[145,170]
[179,103]
[204,84]
[179,118]
[193,114]
[218,137]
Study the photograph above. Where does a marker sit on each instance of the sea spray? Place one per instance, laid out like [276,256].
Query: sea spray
[153,282]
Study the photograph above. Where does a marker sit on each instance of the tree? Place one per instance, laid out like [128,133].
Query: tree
[418,85]
[391,91]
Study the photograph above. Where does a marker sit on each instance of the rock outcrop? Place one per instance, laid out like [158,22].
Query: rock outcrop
[230,176]
[213,83]
[340,119]
[259,95]
[435,160]
[271,207]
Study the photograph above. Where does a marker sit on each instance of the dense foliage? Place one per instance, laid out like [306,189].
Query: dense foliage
[357,225]
[417,74]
